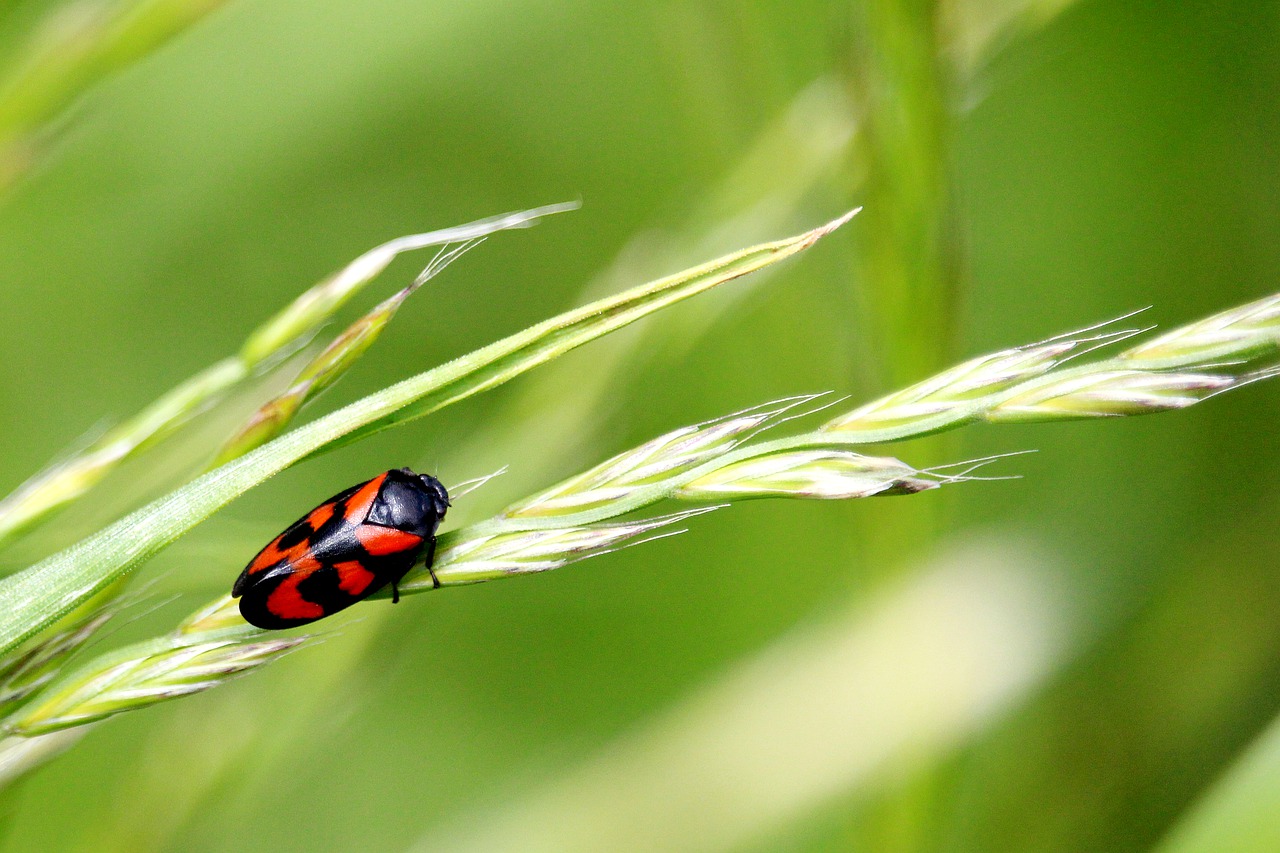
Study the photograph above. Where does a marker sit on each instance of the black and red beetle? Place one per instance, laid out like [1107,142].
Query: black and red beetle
[346,549]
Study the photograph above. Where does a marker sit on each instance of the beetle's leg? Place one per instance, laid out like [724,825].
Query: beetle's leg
[395,592]
[431,558]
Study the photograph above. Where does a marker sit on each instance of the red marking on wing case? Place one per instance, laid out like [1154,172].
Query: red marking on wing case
[286,602]
[320,515]
[358,505]
[354,578]
[378,540]
[273,554]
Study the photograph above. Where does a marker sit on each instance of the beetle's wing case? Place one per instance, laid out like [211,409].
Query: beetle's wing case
[343,550]
[298,539]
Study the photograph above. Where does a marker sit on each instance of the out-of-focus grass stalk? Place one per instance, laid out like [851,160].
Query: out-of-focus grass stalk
[975,31]
[67,480]
[74,48]
[911,68]
[827,710]
[1238,812]
[908,263]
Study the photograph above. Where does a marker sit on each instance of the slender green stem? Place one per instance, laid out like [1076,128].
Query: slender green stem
[909,264]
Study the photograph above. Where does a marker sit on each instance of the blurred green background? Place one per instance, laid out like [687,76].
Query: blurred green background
[1071,661]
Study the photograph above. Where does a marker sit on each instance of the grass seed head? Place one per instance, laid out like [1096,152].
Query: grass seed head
[1110,393]
[1246,332]
[820,474]
[156,673]
[655,461]
[489,556]
[978,377]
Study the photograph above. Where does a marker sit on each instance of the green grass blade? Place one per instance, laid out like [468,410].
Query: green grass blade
[34,598]
[1239,812]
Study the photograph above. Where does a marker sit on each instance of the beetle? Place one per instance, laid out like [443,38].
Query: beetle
[344,550]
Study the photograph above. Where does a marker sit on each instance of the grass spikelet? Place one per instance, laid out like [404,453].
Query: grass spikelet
[140,676]
[1245,333]
[652,462]
[815,474]
[1110,393]
[329,365]
[1171,371]
[219,615]
[498,555]
[26,673]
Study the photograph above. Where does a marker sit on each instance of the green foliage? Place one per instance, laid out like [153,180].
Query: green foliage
[1083,659]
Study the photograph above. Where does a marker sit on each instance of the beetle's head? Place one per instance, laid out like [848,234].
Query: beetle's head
[436,491]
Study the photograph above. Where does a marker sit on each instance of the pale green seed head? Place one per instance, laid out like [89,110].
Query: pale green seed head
[220,614]
[652,462]
[1241,333]
[988,374]
[1110,393]
[819,474]
[23,674]
[475,558]
[125,683]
